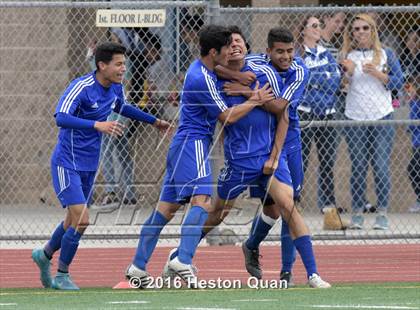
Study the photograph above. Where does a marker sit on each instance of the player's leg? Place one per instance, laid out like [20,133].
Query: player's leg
[149,236]
[78,219]
[282,194]
[220,209]
[193,225]
[151,229]
[288,250]
[68,187]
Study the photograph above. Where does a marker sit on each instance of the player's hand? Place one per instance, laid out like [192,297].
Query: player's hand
[246,78]
[236,89]
[348,66]
[163,126]
[113,128]
[261,95]
[270,166]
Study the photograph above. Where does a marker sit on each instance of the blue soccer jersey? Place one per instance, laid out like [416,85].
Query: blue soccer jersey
[188,169]
[294,84]
[200,104]
[85,98]
[252,135]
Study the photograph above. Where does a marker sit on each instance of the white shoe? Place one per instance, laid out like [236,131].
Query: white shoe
[138,278]
[185,271]
[167,273]
[315,281]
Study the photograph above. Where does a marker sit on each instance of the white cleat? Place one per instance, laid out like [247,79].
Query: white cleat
[138,278]
[185,271]
[167,273]
[315,281]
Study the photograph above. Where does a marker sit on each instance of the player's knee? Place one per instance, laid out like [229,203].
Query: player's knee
[203,201]
[273,211]
[267,201]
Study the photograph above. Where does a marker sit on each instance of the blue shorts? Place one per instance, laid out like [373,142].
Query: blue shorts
[238,175]
[188,171]
[293,157]
[72,187]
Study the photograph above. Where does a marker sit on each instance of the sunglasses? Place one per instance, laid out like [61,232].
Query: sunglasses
[357,29]
[315,26]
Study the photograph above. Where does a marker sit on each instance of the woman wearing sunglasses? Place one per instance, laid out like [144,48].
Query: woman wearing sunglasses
[319,104]
[372,73]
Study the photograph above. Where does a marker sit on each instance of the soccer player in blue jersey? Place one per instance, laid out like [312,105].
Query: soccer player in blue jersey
[294,77]
[188,172]
[280,54]
[81,114]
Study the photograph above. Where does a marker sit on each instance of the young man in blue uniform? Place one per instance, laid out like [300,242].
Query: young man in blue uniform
[280,54]
[188,172]
[288,177]
[81,114]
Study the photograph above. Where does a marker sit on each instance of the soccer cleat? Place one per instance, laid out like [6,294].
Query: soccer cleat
[137,277]
[315,281]
[185,271]
[356,222]
[167,273]
[381,223]
[63,281]
[252,263]
[44,265]
[287,276]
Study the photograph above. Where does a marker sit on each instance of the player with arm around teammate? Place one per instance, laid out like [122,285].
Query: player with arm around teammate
[81,114]
[294,75]
[188,172]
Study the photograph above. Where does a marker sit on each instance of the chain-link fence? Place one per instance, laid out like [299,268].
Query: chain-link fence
[44,45]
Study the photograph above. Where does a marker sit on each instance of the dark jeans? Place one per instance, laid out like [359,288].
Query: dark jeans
[370,144]
[325,139]
[414,171]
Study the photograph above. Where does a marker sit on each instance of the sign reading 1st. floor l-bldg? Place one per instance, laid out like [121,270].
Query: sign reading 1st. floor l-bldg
[130,18]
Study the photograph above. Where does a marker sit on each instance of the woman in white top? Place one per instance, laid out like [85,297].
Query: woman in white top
[372,73]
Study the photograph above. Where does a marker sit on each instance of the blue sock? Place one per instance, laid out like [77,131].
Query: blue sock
[303,245]
[176,253]
[288,250]
[191,232]
[69,245]
[149,237]
[55,242]
[259,230]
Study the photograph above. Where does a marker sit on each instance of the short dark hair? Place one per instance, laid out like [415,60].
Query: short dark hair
[213,36]
[237,30]
[105,52]
[279,34]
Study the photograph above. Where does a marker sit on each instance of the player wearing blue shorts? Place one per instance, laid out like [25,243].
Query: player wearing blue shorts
[81,114]
[188,172]
[294,76]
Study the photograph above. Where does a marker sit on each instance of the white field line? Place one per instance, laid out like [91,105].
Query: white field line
[128,302]
[254,300]
[362,307]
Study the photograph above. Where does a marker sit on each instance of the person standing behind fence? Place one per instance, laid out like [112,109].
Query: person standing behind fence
[81,114]
[412,89]
[372,72]
[319,104]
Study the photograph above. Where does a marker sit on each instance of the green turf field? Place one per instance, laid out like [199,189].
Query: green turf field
[356,296]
